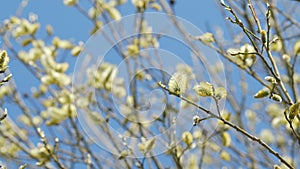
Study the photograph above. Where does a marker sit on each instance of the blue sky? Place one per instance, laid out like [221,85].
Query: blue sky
[68,22]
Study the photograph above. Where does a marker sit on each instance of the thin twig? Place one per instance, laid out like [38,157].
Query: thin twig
[232,125]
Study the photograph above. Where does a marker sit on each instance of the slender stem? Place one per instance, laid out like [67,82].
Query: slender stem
[232,125]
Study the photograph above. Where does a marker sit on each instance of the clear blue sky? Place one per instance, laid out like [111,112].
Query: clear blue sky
[68,23]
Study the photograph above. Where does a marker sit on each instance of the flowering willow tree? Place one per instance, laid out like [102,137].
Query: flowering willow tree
[151,90]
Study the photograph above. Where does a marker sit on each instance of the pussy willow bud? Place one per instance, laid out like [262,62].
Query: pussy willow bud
[270,79]
[187,138]
[276,97]
[276,167]
[4,59]
[4,115]
[204,89]
[196,120]
[6,79]
[286,57]
[294,110]
[262,93]
[263,36]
